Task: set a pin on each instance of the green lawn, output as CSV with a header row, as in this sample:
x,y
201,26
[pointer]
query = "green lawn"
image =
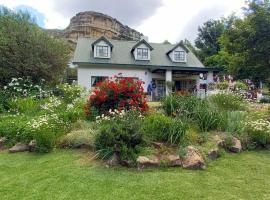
x,y
68,174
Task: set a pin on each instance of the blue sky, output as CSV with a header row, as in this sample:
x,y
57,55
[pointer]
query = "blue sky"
x,y
160,20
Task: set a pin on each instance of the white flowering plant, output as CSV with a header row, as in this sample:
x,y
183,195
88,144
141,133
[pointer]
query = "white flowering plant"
x,y
259,131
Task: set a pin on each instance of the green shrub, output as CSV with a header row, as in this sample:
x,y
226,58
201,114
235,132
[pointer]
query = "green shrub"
x,y
207,117
76,139
120,134
163,128
233,121
68,93
239,85
12,127
179,105
259,131
228,101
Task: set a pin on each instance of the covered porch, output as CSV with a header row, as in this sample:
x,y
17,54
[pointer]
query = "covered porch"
x,y
180,81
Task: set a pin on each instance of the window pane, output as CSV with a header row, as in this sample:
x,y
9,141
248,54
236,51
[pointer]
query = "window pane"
x,y
102,51
97,79
179,56
142,53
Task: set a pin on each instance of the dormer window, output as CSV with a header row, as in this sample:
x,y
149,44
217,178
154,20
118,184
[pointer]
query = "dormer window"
x,y
142,50
178,53
142,53
102,48
102,51
179,56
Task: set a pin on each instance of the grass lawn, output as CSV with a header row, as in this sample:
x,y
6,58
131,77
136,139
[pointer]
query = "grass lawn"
x,y
68,174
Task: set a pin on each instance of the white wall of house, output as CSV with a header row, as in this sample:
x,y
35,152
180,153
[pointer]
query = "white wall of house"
x,y
85,73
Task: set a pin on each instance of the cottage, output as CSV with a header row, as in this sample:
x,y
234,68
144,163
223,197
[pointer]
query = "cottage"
x,y
165,67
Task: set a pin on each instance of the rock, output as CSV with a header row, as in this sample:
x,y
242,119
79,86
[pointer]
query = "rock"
x,y
236,147
213,154
2,142
114,160
193,159
219,141
19,147
174,161
145,162
92,24
32,145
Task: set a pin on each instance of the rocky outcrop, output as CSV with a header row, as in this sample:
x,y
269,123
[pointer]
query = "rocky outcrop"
x,y
94,24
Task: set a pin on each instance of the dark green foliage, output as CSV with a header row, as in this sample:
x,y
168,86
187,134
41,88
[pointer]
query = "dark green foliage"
x,y
159,127
26,50
122,135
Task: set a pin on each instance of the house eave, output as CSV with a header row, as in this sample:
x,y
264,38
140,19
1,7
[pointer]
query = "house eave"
x,y
151,68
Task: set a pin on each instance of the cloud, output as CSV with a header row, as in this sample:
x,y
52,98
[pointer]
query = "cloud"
x,y
129,12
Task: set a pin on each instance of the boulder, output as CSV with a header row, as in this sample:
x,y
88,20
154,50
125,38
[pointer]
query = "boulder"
x,y
193,159
32,145
2,142
213,154
19,147
219,141
236,147
145,162
173,161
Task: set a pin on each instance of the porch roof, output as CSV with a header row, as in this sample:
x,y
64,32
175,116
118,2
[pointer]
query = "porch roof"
x,y
151,68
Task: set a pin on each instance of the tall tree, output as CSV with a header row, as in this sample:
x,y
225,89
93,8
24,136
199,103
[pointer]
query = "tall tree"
x,y
247,42
26,50
207,41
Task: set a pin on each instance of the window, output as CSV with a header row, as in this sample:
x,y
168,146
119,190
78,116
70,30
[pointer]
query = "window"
x,y
97,79
179,56
142,54
102,51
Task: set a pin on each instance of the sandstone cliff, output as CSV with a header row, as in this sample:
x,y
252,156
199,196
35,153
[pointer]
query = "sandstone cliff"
x,y
94,24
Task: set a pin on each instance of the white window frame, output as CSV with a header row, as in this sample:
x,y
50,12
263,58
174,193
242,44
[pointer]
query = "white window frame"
x,y
182,58
106,54
142,56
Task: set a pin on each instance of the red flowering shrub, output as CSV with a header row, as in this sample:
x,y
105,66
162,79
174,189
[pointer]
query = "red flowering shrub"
x,y
116,93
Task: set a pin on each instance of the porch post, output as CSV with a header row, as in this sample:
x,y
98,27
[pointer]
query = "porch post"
x,y
168,79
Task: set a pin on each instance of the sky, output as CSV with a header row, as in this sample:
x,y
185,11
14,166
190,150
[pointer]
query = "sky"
x,y
159,20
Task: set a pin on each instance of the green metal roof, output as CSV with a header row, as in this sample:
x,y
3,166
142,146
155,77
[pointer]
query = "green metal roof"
x,y
121,54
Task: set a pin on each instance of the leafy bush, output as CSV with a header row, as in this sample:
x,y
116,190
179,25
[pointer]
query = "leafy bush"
x,y
121,134
265,99
228,101
235,122
207,117
24,87
120,93
259,131
179,105
239,85
68,92
162,128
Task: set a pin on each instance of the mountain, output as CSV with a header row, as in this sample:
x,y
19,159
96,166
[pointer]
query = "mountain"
x,y
95,24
